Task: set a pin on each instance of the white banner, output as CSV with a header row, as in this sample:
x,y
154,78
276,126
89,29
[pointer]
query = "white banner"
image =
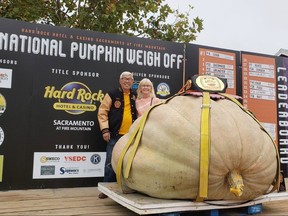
x,y
48,165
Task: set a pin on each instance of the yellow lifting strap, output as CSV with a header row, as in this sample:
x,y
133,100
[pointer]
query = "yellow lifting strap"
x,y
204,148
1,166
134,140
277,182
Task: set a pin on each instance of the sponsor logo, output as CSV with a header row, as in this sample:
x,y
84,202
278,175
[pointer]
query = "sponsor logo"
x,y
45,159
5,78
69,170
92,170
135,85
74,158
95,159
73,125
74,98
2,104
163,89
1,136
47,170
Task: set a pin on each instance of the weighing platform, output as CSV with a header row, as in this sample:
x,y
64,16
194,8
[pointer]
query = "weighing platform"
x,y
144,205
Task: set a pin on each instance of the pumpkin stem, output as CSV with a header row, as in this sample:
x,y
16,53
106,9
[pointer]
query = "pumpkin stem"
x,y
236,183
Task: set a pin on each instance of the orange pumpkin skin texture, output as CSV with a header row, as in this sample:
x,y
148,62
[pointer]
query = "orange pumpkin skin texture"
x,y
166,164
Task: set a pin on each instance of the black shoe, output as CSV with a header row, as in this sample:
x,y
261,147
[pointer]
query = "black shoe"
x,y
102,196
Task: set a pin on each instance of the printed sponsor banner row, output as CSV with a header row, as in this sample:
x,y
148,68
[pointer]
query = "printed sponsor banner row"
x,y
50,165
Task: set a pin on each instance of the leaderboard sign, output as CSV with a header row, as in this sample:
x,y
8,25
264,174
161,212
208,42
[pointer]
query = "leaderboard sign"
x,y
282,111
219,63
216,62
259,89
52,82
265,93
260,79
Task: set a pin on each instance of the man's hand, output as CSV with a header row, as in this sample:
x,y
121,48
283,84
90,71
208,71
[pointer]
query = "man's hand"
x,y
106,136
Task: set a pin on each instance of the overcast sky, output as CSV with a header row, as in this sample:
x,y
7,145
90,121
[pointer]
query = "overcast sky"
x,y
259,26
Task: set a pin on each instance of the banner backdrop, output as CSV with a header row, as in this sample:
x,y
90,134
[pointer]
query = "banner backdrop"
x,y
53,80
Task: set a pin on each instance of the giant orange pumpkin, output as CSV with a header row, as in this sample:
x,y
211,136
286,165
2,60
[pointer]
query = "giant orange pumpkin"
x,y
167,159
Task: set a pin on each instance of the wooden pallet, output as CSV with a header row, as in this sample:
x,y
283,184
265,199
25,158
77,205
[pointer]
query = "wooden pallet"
x,y
143,205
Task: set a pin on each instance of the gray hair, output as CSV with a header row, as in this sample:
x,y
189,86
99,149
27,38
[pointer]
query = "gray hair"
x,y
126,73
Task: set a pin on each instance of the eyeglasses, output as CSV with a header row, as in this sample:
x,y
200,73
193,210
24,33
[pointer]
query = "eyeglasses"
x,y
146,86
127,79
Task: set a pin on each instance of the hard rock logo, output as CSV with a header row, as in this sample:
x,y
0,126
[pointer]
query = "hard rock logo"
x,y
74,98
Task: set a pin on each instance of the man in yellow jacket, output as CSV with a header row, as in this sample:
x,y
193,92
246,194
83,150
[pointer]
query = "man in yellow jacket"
x,y
115,115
